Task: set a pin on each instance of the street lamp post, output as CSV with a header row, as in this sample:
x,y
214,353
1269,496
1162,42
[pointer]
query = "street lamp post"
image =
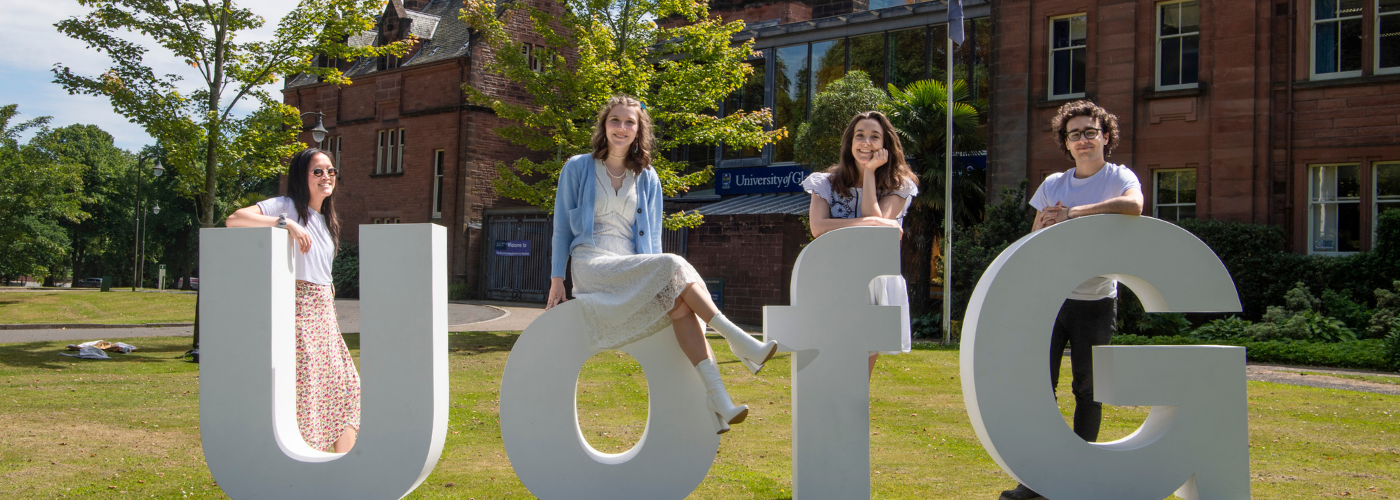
x,y
146,228
136,245
318,133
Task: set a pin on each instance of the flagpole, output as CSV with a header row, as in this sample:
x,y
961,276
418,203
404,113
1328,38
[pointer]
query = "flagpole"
x,y
948,200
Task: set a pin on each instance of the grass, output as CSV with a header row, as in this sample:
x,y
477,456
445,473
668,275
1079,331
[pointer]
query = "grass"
x,y
1379,379
114,307
128,428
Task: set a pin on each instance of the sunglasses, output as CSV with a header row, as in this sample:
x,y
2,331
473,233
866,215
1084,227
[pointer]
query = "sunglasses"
x,y
322,173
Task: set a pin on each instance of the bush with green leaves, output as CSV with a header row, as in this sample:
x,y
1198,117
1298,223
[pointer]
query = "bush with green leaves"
x,y
1298,319
1231,329
1366,354
1340,306
818,141
345,271
1385,320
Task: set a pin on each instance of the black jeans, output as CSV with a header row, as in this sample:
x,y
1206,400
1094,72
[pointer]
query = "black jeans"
x,y
1082,324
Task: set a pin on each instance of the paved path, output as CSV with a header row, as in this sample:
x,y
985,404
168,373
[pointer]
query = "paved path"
x,y
460,317
1297,375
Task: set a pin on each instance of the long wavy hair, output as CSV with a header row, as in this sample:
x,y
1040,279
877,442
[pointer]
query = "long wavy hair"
x,y
639,152
300,192
889,177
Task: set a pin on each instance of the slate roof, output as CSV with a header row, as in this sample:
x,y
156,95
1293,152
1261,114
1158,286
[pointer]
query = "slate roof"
x,y
442,34
752,204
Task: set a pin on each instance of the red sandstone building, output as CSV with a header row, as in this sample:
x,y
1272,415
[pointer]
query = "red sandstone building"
x,y
1281,112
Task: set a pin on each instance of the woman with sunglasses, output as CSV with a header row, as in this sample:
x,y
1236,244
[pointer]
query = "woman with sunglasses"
x,y
328,387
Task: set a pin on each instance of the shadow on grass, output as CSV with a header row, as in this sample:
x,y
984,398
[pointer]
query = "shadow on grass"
x,y
45,355
468,342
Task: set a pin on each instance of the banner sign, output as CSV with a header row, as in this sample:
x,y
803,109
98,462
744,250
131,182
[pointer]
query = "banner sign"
x,y
780,179
513,248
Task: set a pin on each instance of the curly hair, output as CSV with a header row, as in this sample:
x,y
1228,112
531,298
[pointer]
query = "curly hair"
x,y
638,156
889,177
1107,122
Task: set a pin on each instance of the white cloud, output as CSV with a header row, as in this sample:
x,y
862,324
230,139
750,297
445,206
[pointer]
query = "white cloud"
x,y
33,45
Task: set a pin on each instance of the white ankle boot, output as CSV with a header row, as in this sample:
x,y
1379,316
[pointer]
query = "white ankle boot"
x,y
718,401
752,353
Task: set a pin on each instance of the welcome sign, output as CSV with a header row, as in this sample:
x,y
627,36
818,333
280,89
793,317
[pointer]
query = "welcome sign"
x,y
1193,442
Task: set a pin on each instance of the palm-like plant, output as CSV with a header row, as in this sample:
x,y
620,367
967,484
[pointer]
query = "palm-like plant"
x,y
920,113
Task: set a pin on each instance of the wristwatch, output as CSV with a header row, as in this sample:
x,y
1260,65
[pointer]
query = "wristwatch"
x,y
282,221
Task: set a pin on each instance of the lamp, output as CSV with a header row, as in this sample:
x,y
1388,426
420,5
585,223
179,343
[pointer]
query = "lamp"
x,y
157,170
318,133
156,209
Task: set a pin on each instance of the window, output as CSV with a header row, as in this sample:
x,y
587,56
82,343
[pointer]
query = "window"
x,y
1387,184
1176,194
828,63
908,56
1068,50
1387,36
1336,38
439,157
868,55
749,97
389,159
334,147
1334,212
1178,44
534,55
792,80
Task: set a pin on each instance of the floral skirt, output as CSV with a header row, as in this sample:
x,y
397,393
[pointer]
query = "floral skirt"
x,y
328,386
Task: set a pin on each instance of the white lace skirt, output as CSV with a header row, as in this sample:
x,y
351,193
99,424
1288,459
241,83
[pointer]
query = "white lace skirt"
x,y
892,291
626,296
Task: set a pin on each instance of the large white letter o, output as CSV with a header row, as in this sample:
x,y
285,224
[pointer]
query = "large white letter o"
x,y
1195,439
539,418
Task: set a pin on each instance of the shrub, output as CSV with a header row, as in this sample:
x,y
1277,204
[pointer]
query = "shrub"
x,y
1231,329
1362,354
1299,320
1340,306
975,247
1386,318
345,271
459,291
818,142
1392,348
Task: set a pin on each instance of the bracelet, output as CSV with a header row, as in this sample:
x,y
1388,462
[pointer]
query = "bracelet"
x,y
282,221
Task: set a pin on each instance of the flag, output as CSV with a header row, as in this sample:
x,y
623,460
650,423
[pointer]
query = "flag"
x,y
955,21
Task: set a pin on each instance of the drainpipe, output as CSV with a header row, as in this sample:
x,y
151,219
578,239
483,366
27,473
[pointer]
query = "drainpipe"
x,y
1288,134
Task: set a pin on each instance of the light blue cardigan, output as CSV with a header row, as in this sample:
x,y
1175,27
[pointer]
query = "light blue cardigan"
x,y
573,211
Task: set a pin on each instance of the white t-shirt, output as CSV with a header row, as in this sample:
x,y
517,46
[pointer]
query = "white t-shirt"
x,y
1109,182
313,266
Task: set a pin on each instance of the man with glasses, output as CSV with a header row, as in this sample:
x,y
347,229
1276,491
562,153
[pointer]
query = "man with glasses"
x,y
1086,134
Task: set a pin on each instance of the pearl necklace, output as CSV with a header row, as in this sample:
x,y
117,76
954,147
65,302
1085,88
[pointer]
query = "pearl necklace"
x,y
619,176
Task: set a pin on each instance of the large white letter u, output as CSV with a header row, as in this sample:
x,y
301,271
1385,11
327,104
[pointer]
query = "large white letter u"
x,y
247,400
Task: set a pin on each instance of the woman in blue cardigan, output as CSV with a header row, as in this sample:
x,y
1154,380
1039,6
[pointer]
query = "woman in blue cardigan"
x,y
607,217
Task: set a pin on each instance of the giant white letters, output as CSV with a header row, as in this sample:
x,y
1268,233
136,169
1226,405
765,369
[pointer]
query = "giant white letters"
x,y
247,407
831,329
1195,439
539,418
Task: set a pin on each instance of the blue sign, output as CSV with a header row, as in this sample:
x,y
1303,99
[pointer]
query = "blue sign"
x,y
513,248
779,179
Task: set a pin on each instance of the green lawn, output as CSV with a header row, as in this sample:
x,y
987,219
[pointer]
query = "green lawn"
x,y
115,307
128,428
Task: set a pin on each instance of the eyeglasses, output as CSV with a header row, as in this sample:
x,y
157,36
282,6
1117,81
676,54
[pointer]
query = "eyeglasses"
x,y
322,173
1088,133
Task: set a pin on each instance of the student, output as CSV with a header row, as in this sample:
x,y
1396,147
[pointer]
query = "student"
x,y
1086,133
328,387
870,185
607,218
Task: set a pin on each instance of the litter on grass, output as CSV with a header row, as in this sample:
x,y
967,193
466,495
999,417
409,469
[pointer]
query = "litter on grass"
x,y
94,349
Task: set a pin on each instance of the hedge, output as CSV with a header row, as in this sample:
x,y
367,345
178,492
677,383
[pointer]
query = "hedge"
x,y
1369,354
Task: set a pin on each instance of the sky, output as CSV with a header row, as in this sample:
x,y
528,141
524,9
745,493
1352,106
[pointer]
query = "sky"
x,y
32,46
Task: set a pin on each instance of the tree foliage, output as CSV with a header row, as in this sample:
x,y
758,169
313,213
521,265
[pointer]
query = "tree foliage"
x,y
595,49
818,141
204,144
36,195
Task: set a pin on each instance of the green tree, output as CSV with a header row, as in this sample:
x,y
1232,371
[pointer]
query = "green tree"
x,y
920,112
36,195
818,142
595,49
204,143
108,182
